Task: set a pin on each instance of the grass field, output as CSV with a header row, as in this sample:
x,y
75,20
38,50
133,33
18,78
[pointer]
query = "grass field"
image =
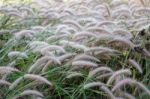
x,y
75,49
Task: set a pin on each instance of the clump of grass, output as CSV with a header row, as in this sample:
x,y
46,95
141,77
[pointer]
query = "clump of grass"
x,y
75,49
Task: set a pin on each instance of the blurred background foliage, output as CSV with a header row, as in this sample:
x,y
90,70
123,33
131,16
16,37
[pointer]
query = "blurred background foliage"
x,y
14,1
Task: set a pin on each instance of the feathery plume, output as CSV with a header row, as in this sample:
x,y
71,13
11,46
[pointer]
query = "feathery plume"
x,y
16,14
7,70
87,20
104,75
34,77
106,23
146,52
104,37
122,82
102,87
15,83
74,23
24,33
136,65
15,54
99,69
117,12
127,95
38,28
85,34
122,42
36,44
96,49
65,56
56,37
29,92
52,48
24,8
74,74
143,87
130,82
106,90
84,63
123,33
74,45
46,66
118,73
115,3
93,84
3,82
107,9
86,57
43,60
99,30
37,78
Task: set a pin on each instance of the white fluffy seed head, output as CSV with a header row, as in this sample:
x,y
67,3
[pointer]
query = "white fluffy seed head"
x,y
56,37
74,74
123,82
119,41
37,78
73,23
35,44
105,75
39,62
73,45
143,87
127,95
7,70
52,48
4,82
123,33
66,56
130,82
24,33
118,73
107,91
98,30
136,65
96,49
146,52
93,84
83,34
16,14
105,23
15,54
15,83
84,63
43,60
29,92
86,57
99,69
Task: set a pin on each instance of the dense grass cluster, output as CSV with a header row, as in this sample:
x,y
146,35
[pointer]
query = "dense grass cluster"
x,y
78,49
